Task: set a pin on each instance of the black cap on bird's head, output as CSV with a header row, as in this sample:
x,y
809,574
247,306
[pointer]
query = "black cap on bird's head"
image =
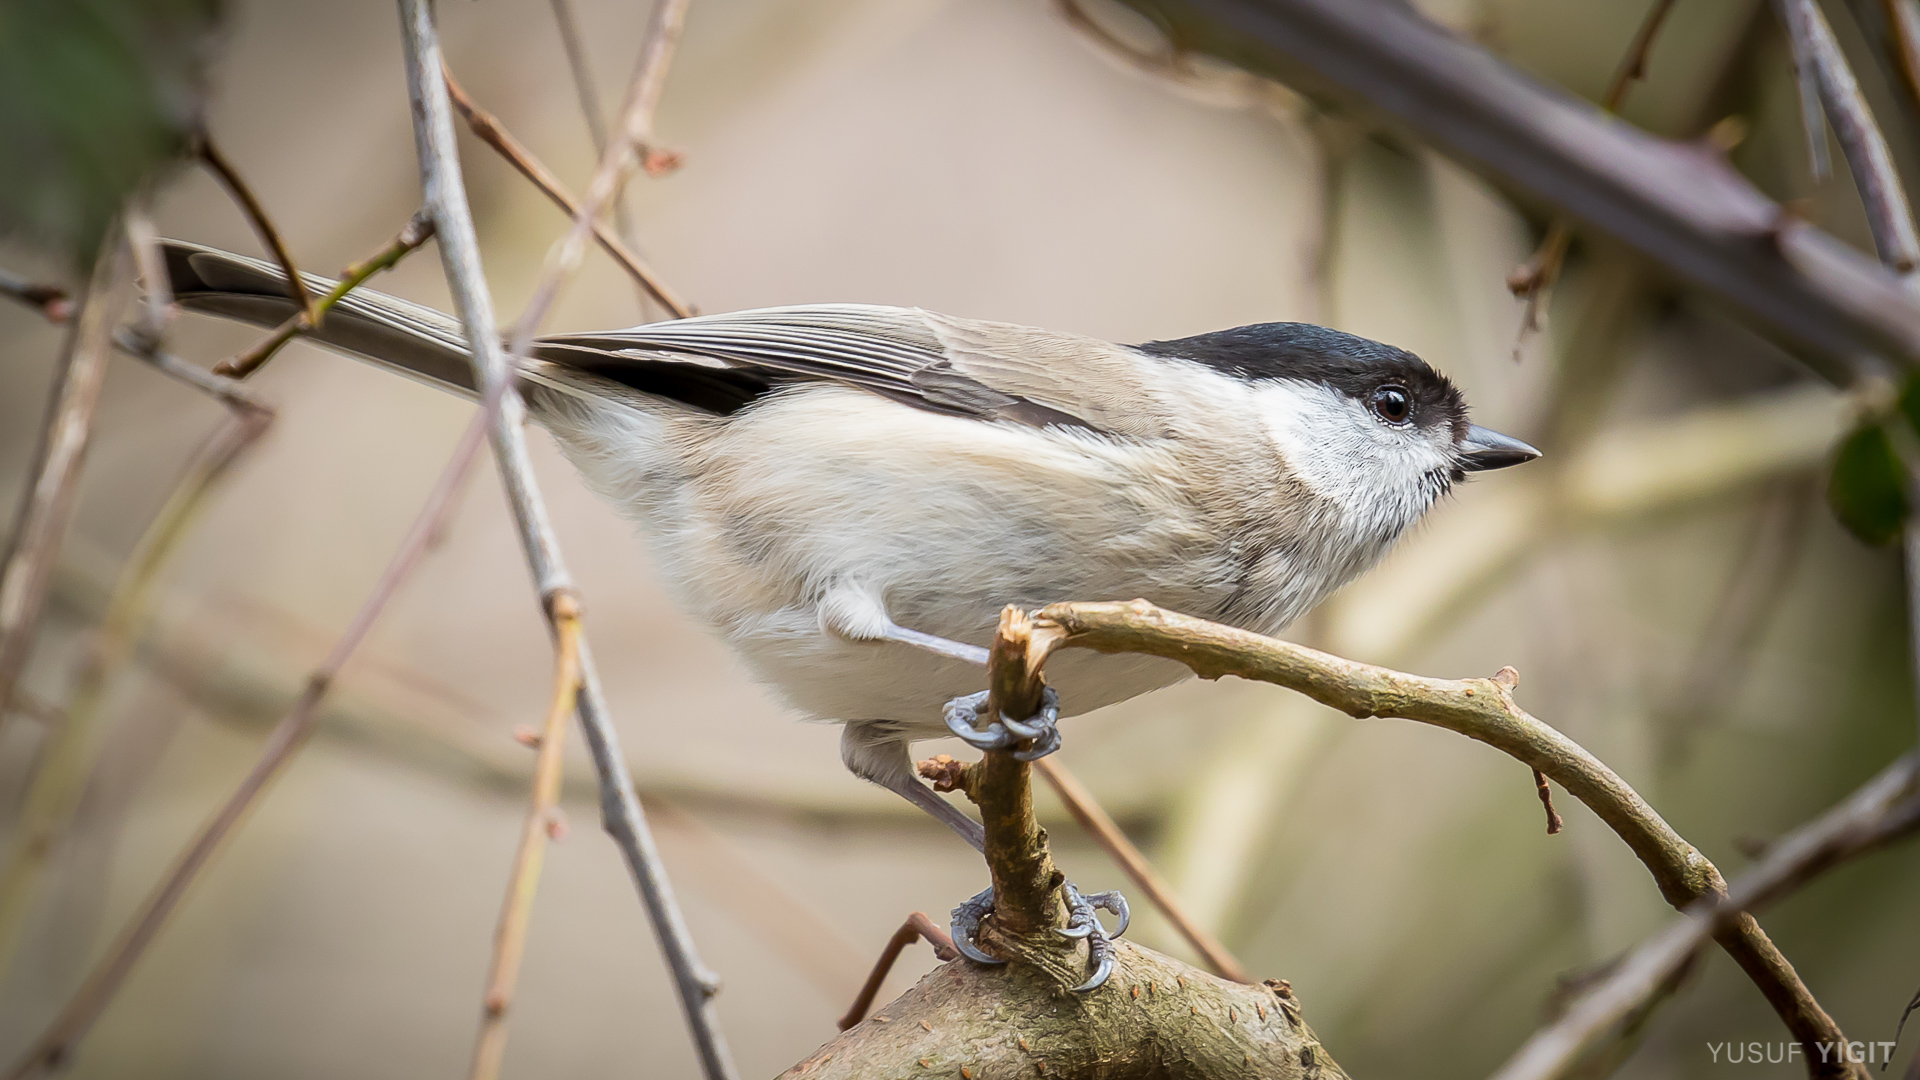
x,y
1396,386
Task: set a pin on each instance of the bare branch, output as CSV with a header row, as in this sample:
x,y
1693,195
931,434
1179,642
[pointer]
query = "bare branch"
x,y
51,301
490,131
1888,215
1481,709
417,231
257,217
918,927
54,792
1106,832
47,503
107,975
460,255
510,939
1677,203
1534,279
629,148
1884,809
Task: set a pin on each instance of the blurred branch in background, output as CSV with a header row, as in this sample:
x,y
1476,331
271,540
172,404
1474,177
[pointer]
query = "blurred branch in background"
x,y
1885,809
1481,709
489,130
106,976
441,176
47,505
55,788
1680,205
567,22
1534,279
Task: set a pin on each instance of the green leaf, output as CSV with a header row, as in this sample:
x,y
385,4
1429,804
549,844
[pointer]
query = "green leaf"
x,y
1867,489
94,96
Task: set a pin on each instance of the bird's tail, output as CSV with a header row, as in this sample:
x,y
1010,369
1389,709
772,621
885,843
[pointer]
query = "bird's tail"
x,y
415,341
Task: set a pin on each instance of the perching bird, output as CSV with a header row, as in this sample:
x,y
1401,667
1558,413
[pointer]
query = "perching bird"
x,y
849,495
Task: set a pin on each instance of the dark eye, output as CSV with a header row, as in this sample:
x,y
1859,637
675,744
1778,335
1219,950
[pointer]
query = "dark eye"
x,y
1392,404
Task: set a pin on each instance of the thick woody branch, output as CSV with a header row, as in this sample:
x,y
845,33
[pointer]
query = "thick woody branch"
x,y
1481,709
624,820
1154,1018
1679,204
1886,808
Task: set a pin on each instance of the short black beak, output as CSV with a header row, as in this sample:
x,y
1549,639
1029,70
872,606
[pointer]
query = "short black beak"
x,y
1484,449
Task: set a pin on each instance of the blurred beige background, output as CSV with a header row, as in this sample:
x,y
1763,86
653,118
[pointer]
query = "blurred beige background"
x,y
975,157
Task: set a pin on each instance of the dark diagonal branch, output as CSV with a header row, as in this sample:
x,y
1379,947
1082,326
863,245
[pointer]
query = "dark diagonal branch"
x,y
1481,709
1885,809
446,199
489,130
47,503
1677,203
257,217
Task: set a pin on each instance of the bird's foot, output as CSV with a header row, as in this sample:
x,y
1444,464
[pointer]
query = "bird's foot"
x,y
1039,731
1082,922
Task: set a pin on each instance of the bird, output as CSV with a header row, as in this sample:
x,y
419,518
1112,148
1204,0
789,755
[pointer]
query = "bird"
x,y
848,495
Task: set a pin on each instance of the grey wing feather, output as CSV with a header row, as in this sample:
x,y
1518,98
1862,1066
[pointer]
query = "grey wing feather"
x,y
719,363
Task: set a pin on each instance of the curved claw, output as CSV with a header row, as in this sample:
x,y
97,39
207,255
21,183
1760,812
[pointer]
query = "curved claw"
x,y
1041,724
1116,903
962,712
1024,731
1074,931
966,921
1041,747
1099,977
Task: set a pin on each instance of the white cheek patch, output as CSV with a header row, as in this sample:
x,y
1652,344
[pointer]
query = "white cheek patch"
x,y
1374,472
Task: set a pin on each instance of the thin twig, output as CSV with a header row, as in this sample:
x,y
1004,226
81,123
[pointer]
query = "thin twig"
x,y
47,503
417,231
51,301
54,793
257,217
1884,809
1088,812
621,813
1545,791
918,927
510,939
1534,279
568,23
1481,709
629,147
1889,217
287,737
490,131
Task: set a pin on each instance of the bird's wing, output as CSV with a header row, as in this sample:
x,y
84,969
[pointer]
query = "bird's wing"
x,y
987,371
720,363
